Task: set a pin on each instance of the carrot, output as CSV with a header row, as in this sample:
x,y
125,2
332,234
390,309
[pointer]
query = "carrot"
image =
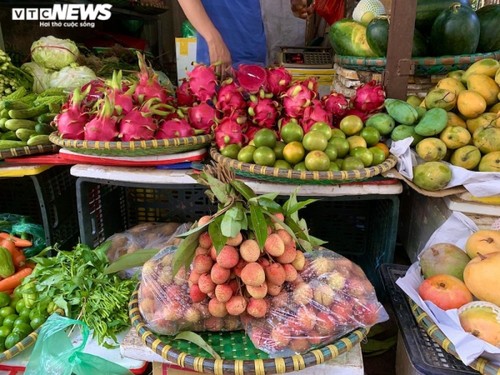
x,y
15,280
18,257
19,242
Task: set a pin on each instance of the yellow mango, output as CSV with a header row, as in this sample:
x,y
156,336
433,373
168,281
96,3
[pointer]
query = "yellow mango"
x,y
497,77
484,119
470,104
485,86
487,66
495,108
450,84
455,137
455,120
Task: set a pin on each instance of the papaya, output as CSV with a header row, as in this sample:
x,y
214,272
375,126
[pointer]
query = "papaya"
x,y
348,38
433,122
401,111
489,37
455,31
485,86
486,66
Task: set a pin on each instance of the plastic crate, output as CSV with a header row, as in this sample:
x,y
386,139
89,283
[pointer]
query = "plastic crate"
x,y
361,228
48,199
425,355
107,209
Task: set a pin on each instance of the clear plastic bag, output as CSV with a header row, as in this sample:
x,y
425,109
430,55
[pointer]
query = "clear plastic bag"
x,y
166,305
330,298
54,354
150,235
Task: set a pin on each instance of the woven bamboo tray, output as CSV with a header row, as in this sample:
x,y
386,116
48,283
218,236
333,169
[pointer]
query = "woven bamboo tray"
x,y
289,176
28,150
20,346
240,356
481,365
136,148
424,66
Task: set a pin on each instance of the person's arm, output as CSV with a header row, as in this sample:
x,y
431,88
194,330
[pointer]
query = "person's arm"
x,y
301,9
217,49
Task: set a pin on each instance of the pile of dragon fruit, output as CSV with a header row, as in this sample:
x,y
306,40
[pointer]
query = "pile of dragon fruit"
x,y
234,109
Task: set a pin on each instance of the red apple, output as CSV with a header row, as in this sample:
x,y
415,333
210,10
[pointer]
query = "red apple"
x,y
445,291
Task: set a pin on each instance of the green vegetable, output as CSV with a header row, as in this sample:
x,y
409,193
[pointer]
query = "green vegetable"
x,y
29,112
6,264
7,143
76,282
38,139
54,53
11,77
14,124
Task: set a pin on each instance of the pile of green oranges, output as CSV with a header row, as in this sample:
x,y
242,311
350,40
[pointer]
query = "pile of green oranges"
x,y
322,148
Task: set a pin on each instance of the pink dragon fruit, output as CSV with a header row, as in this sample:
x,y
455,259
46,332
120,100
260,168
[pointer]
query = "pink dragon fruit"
x,y
120,95
335,103
297,98
139,123
202,117
315,113
185,97
228,132
251,78
174,128
263,111
70,122
369,97
229,97
278,80
249,133
103,127
202,82
148,86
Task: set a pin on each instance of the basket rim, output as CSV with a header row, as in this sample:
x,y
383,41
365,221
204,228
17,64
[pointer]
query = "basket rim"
x,y
284,174
481,364
421,61
28,150
20,346
258,366
154,146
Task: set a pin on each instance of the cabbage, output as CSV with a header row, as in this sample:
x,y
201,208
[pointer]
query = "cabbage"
x,y
70,78
54,53
41,76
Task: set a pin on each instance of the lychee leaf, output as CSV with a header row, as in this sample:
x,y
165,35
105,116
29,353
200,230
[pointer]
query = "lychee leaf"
x,y
219,188
197,340
230,226
215,232
184,254
259,224
243,189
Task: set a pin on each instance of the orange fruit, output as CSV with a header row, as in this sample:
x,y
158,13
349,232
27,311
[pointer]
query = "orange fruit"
x,y
315,140
356,141
324,128
317,160
371,135
384,148
264,155
351,125
294,152
264,137
292,131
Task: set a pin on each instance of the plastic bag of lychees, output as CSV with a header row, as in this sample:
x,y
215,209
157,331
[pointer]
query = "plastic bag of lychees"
x,y
166,304
330,298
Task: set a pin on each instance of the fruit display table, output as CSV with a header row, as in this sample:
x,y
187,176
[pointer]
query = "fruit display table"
x,y
358,220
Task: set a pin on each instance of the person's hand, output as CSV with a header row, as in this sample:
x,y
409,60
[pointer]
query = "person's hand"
x,y
220,56
300,8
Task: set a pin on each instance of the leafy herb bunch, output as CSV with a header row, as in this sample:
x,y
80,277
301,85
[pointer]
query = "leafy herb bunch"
x,y
240,209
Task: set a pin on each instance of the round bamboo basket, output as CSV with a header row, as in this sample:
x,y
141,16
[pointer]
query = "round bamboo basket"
x,y
482,365
28,150
135,148
20,346
289,176
239,356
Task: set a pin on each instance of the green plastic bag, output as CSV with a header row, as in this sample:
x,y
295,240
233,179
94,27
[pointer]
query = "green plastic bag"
x,y
54,353
187,30
18,225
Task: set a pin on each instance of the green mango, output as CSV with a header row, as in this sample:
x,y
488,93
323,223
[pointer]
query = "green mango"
x,y
433,122
404,131
432,175
401,111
